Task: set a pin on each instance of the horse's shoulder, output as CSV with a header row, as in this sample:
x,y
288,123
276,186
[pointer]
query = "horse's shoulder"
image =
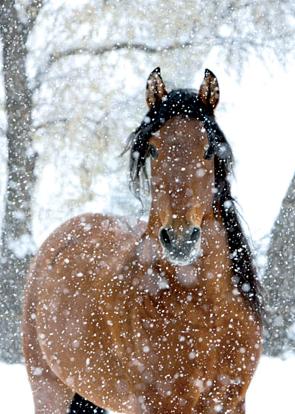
x,y
88,230
92,225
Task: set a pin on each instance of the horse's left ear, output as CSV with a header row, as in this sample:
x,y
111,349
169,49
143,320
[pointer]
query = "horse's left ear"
x,y
155,88
209,90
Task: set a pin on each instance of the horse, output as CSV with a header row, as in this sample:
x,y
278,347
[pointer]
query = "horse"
x,y
165,318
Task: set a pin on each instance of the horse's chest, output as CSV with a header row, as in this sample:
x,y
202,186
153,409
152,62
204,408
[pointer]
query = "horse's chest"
x,y
171,340
185,340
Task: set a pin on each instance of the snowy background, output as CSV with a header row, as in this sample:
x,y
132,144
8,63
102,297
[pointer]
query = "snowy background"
x,y
259,131
79,168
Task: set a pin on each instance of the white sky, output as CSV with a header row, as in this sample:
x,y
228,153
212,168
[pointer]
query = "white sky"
x,y
257,115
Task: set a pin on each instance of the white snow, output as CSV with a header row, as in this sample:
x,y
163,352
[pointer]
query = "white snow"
x,y
271,391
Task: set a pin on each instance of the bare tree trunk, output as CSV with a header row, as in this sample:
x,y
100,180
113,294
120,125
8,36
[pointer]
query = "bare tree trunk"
x,y
16,236
279,281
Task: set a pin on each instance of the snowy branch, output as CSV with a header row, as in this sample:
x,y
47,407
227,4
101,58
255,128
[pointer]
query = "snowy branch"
x,y
54,122
32,12
49,123
115,47
99,51
10,18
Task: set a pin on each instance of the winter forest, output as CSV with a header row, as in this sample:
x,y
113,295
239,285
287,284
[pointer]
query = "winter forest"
x,y
73,76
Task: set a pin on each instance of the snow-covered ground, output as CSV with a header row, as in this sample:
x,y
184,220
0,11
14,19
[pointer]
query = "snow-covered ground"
x,y
271,391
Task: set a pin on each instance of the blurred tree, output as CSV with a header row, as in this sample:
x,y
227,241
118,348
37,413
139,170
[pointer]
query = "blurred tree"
x,y
16,234
73,90
96,56
279,281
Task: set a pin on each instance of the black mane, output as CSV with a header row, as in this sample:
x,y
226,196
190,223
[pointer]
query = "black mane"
x,y
186,103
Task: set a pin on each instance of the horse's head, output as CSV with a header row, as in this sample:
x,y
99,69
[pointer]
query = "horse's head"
x,y
182,183
183,140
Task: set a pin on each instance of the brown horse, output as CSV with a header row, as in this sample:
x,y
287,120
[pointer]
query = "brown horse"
x,y
164,319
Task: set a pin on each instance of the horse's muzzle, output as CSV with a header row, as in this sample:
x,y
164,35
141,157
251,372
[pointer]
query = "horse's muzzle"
x,y
181,248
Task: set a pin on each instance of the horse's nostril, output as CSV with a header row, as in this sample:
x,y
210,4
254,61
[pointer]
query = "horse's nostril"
x,y
164,237
195,234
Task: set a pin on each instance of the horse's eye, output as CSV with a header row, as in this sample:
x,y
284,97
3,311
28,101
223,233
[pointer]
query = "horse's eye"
x,y
153,152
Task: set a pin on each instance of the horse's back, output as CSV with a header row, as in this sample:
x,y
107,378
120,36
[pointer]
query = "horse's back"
x,y
105,232
100,238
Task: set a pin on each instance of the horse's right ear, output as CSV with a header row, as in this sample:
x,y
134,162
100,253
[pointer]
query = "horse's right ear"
x,y
155,88
209,90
